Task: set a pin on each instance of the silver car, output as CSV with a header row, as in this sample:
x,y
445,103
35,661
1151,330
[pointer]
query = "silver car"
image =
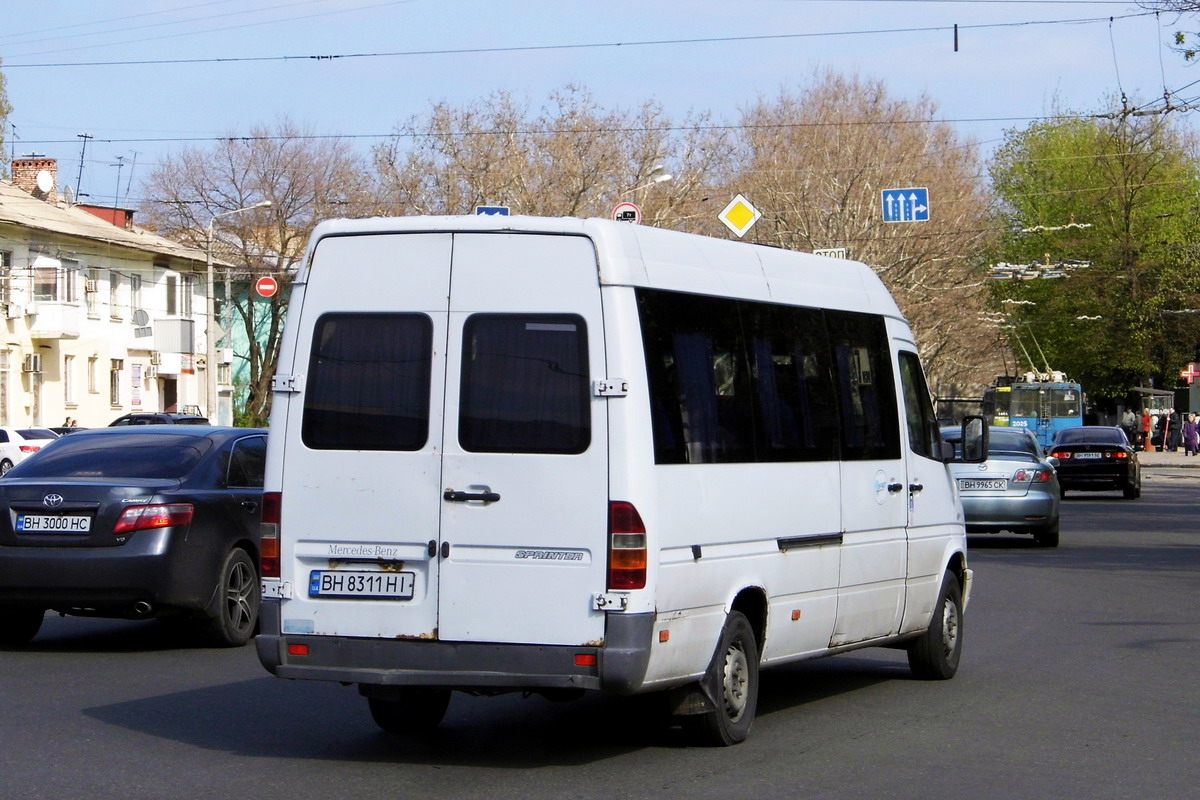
x,y
1015,490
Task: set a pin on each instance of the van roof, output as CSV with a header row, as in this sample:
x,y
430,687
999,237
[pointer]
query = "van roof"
x,y
639,255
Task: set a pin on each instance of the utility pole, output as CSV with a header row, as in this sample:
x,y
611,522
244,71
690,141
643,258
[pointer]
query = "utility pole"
x,y
79,179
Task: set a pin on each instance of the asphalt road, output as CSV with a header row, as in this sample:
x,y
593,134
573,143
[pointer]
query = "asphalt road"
x,y
1079,680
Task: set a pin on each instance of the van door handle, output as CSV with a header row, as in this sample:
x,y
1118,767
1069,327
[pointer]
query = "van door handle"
x,y
465,497
895,487
916,487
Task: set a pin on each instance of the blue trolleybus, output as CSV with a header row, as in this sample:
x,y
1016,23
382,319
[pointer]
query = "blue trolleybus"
x,y
1045,403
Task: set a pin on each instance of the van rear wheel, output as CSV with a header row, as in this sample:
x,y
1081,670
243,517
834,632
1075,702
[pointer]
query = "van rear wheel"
x,y
935,655
731,683
411,709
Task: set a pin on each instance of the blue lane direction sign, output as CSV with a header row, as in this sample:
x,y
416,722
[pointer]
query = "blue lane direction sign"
x,y
496,211
905,205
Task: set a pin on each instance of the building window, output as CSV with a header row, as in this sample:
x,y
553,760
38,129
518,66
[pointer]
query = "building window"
x,y
69,380
114,380
172,295
93,386
114,294
45,284
135,292
90,294
68,281
5,276
187,296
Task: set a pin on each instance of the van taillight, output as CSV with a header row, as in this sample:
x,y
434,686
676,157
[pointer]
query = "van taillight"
x,y
626,547
269,547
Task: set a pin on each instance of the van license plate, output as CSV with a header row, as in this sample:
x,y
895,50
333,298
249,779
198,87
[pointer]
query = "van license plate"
x,y
968,484
364,585
54,523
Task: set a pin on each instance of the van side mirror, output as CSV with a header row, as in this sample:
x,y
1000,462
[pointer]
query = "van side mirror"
x,y
974,440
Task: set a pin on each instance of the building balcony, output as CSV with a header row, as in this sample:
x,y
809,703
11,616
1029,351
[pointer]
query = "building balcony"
x,y
50,319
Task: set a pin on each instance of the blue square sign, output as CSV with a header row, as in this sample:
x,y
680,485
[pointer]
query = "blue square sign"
x,y
905,205
495,211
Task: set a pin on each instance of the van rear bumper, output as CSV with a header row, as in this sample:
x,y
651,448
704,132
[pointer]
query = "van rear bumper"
x,y
620,663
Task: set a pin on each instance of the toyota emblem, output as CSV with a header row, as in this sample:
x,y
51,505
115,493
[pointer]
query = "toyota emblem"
x,y
52,500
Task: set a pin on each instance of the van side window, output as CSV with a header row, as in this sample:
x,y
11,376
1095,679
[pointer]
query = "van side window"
x,y
923,436
526,385
736,381
865,386
368,382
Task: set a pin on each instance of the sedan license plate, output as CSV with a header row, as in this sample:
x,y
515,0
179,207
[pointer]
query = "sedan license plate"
x,y
54,523
971,484
1089,455
364,585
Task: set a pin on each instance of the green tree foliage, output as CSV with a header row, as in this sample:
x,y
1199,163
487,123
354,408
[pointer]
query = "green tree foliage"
x,y
1119,194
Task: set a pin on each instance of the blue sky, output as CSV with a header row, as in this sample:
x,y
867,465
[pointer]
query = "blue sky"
x,y
198,69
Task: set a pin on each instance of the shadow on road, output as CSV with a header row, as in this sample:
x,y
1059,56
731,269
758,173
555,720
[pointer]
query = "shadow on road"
x,y
273,718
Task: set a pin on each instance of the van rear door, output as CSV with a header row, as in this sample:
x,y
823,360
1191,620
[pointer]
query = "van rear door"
x,y
451,455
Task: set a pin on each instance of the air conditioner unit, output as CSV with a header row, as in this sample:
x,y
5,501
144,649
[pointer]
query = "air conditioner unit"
x,y
151,373
90,286
33,362
155,357
14,311
226,354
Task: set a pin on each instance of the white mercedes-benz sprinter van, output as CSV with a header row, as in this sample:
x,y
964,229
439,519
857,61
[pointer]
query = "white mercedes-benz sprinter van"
x,y
556,455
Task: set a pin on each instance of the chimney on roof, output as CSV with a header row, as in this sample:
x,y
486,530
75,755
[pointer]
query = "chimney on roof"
x,y
37,175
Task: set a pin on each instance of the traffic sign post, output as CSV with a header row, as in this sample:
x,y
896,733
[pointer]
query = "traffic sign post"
x,y
266,286
905,205
494,211
627,212
739,216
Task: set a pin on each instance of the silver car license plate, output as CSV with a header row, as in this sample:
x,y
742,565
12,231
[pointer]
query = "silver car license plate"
x,y
975,484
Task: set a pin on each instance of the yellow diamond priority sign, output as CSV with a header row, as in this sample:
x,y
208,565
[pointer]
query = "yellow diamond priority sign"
x,y
739,216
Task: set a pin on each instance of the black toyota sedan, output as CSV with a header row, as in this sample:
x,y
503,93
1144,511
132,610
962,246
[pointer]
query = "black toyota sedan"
x,y
1097,458
135,522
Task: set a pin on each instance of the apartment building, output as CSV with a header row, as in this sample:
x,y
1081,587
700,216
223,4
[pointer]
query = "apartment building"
x,y
99,317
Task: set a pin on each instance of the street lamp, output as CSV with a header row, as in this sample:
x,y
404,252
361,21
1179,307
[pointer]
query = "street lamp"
x,y
211,328
656,175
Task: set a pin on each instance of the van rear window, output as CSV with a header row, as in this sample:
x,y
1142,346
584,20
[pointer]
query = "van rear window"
x,y
525,384
368,382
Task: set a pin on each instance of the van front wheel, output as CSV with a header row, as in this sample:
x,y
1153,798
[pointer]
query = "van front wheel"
x,y
412,710
935,655
732,684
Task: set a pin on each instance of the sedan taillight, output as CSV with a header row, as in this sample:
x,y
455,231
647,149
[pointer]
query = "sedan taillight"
x,y
140,518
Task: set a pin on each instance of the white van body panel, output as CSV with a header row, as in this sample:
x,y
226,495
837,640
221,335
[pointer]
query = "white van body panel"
x,y
840,553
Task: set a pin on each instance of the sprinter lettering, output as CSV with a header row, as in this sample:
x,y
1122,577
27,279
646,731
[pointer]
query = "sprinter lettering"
x,y
550,555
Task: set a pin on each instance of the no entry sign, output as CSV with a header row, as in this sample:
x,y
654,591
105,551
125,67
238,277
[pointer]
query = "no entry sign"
x,y
266,286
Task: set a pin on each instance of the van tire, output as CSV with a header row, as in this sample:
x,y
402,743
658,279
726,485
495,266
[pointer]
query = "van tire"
x,y
935,655
418,708
19,624
731,682
233,614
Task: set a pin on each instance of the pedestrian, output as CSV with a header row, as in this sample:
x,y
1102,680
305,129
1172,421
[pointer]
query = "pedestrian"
x,y
1146,444
1191,436
1174,435
1129,424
